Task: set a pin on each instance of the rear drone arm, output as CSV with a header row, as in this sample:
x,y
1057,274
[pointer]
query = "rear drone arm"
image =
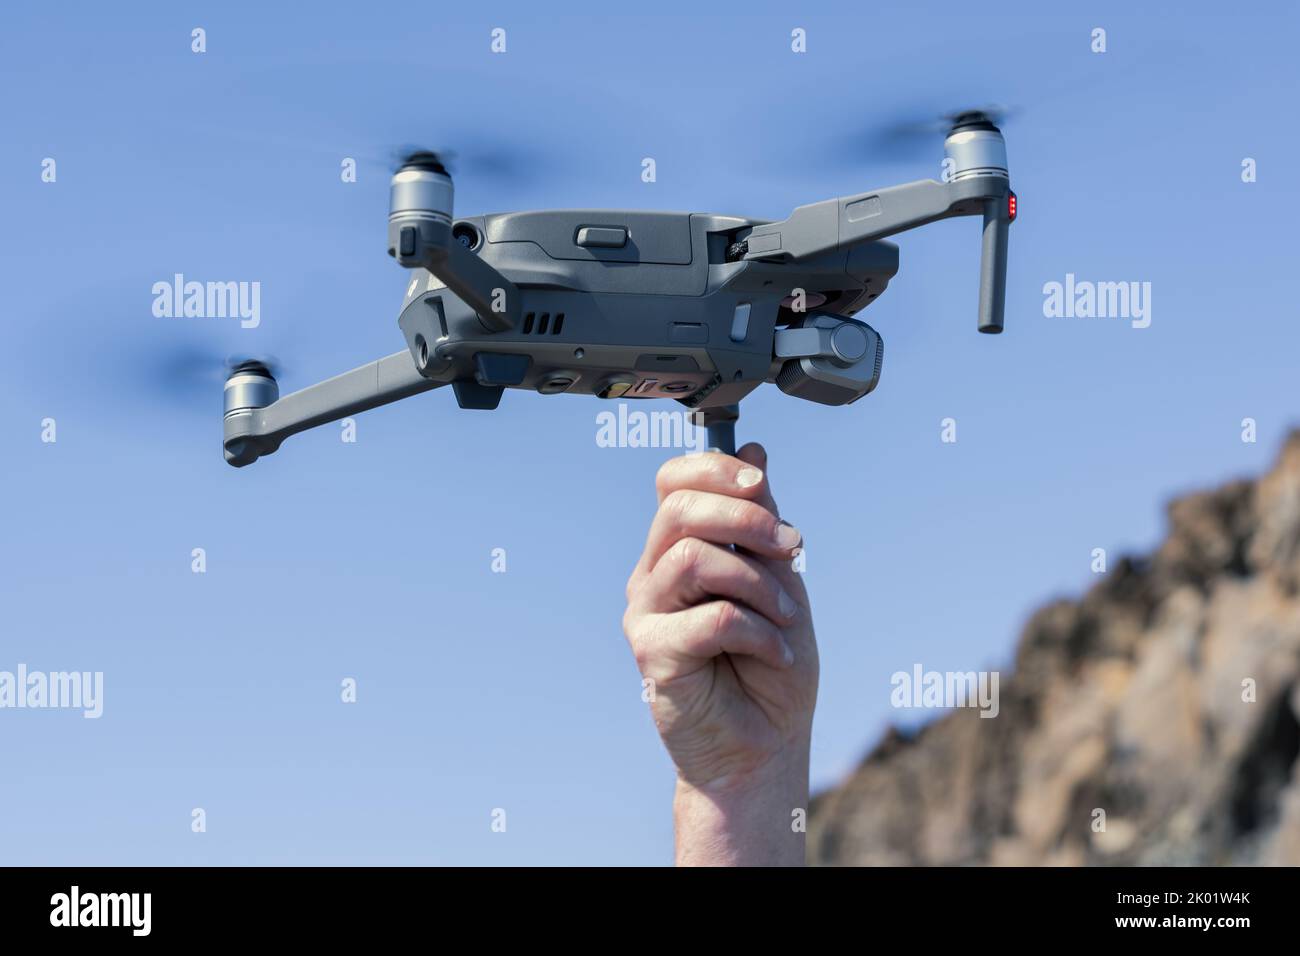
x,y
257,420
838,223
977,159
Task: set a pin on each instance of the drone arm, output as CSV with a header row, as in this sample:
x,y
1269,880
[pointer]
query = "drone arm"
x,y
420,233
485,290
253,432
839,223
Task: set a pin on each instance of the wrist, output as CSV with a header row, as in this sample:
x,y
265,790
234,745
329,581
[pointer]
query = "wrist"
x,y
752,819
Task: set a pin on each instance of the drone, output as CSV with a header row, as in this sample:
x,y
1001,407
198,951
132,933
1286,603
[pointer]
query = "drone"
x,y
694,307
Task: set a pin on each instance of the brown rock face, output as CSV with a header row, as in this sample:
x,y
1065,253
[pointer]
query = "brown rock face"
x,y
1154,721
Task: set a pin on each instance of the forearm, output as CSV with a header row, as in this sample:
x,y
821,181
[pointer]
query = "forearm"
x,y
758,822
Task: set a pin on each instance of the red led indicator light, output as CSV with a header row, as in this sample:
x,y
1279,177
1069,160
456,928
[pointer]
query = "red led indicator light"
x,y
1011,206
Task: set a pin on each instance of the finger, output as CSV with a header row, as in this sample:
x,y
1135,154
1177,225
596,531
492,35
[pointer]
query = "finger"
x,y
694,571
675,643
718,473
721,474
756,455
721,519
753,453
792,580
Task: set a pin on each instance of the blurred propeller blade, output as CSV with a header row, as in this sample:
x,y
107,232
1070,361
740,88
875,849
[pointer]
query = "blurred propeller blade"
x,y
913,136
184,367
475,158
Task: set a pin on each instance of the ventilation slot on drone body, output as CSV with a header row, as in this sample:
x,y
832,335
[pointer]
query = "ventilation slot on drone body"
x,y
542,324
692,401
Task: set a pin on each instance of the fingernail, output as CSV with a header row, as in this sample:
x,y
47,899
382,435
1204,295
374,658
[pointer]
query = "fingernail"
x,y
787,655
748,477
787,535
786,604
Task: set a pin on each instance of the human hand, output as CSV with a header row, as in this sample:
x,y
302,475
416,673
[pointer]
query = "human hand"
x,y
726,637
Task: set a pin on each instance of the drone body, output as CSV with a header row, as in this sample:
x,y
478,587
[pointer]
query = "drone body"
x,y
633,305
694,307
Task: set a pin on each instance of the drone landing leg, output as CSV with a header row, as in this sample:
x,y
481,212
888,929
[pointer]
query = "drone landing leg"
x,y
720,423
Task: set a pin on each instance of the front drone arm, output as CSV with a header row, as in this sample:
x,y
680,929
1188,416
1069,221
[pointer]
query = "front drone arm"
x,y
257,420
420,235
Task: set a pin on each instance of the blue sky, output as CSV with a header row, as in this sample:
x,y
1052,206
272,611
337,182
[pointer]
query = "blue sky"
x,y
372,560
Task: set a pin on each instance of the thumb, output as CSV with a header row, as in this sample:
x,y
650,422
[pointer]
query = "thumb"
x,y
756,455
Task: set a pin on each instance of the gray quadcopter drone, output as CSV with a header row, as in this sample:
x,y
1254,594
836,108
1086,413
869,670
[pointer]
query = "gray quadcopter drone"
x,y
688,306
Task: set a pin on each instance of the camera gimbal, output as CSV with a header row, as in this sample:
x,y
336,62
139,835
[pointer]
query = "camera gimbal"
x,y
695,307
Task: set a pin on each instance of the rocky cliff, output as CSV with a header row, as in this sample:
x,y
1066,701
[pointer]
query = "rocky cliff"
x,y
1154,721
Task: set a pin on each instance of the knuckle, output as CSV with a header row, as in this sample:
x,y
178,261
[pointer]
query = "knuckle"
x,y
664,476
634,582
687,557
677,507
637,639
726,615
